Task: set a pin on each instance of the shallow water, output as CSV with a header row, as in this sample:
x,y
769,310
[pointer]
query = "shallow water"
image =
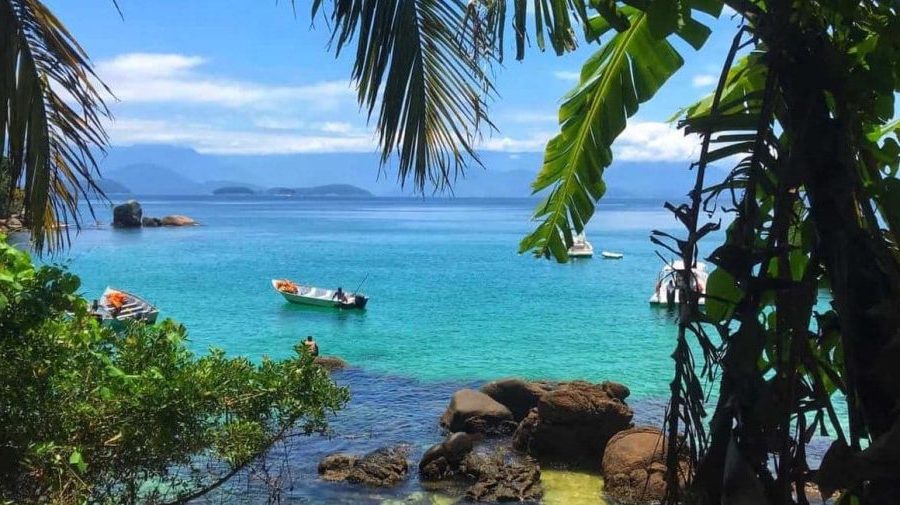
x,y
452,305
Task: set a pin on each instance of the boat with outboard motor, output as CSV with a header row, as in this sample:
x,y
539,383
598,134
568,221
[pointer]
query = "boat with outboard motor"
x,y
320,297
116,308
669,285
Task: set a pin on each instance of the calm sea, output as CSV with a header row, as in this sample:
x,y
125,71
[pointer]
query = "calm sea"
x,y
452,303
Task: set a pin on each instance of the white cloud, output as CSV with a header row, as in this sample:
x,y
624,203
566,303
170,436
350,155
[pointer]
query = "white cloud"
x,y
655,141
567,75
703,80
175,78
336,127
212,140
278,123
533,143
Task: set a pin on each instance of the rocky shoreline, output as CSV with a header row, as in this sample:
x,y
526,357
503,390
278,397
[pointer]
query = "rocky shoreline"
x,y
131,215
499,436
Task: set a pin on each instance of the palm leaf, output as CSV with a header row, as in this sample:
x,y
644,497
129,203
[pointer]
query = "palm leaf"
x,y
49,145
627,71
412,65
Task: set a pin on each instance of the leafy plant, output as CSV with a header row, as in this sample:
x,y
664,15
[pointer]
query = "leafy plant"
x,y
86,414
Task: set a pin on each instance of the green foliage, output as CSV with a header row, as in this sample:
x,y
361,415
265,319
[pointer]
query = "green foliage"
x,y
91,415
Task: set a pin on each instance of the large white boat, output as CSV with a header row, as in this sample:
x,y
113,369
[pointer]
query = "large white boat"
x,y
321,297
581,248
116,308
668,284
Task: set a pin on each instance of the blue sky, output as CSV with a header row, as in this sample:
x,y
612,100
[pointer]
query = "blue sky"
x,y
248,77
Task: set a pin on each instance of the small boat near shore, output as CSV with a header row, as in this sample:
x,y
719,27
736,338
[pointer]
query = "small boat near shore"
x,y
581,248
319,297
669,286
607,255
117,307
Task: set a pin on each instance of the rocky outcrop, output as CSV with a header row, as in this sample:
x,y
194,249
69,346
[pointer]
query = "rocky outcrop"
x,y
151,222
330,363
518,395
442,461
336,467
634,466
127,215
178,220
475,412
573,422
381,468
500,479
12,224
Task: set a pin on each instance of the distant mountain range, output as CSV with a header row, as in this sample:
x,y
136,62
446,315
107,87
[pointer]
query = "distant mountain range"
x,y
168,170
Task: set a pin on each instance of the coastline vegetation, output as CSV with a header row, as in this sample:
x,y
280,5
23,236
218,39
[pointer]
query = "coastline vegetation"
x,y
89,415
805,102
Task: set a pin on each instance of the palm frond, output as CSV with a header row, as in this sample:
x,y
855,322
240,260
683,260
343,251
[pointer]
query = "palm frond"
x,y
627,71
412,65
49,143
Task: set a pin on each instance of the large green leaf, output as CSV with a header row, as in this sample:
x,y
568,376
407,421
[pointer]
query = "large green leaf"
x,y
627,71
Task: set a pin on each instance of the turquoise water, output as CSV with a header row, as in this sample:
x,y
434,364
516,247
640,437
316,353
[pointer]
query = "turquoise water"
x,y
450,296
452,305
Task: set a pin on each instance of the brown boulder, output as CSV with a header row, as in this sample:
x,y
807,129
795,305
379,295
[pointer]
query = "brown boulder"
x,y
381,468
330,363
475,412
177,220
572,423
442,460
127,215
634,466
518,395
336,467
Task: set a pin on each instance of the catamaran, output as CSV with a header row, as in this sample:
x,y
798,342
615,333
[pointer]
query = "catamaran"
x,y
669,286
581,248
116,308
321,297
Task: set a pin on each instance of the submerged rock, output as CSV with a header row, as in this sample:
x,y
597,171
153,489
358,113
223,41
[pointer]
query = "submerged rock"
x,y
178,220
330,363
518,395
380,468
573,423
127,215
475,412
500,479
634,466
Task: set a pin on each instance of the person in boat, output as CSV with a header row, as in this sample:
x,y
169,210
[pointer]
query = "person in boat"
x,y
340,295
312,346
670,292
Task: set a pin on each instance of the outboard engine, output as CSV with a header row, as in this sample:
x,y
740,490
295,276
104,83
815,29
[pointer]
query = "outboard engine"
x,y
670,295
360,301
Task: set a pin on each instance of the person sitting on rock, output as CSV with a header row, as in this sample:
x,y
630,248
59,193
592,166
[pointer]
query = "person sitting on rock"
x,y
340,295
312,346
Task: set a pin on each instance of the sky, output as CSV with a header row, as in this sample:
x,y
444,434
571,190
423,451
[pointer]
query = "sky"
x,y
253,77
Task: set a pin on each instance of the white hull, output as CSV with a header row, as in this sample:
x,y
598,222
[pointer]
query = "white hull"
x,y
666,291
581,248
611,255
320,297
135,308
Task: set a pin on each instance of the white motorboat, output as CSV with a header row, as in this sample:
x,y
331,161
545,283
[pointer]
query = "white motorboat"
x,y
669,286
320,297
581,248
612,255
116,308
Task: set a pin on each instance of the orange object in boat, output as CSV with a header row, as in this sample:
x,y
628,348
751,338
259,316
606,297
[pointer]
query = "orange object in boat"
x,y
116,299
